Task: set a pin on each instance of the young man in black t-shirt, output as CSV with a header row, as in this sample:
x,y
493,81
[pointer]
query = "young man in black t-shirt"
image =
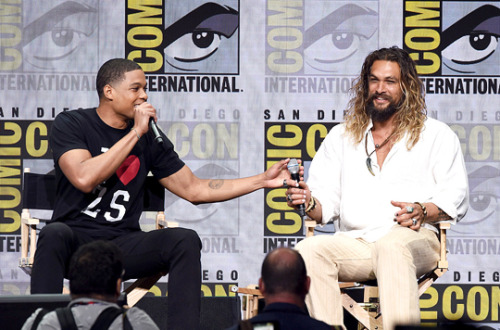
x,y
102,157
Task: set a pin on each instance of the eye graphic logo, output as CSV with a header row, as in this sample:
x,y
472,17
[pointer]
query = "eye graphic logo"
x,y
60,39
338,41
470,43
318,37
202,41
183,37
484,203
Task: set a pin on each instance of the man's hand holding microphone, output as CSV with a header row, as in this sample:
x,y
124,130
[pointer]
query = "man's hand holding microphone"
x,y
145,111
297,194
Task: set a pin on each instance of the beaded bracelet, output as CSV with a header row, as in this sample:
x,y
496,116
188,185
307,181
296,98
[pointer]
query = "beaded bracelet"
x,y
311,205
424,210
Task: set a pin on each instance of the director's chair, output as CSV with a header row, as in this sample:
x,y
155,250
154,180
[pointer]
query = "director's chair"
x,y
39,191
367,313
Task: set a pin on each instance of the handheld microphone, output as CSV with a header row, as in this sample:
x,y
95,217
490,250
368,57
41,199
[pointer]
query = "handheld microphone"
x,y
293,168
155,130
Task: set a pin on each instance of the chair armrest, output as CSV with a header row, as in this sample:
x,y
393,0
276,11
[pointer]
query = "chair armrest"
x,y
160,220
309,226
443,261
161,223
27,219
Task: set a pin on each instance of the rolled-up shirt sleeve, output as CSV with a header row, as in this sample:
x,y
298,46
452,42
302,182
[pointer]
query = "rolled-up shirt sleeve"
x,y
451,192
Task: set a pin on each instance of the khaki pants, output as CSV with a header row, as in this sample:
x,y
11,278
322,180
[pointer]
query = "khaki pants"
x,y
395,260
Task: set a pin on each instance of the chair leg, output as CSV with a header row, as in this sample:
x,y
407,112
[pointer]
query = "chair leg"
x,y
24,234
28,241
140,287
368,312
251,295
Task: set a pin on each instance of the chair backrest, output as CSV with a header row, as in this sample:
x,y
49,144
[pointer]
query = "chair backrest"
x,y
39,191
154,195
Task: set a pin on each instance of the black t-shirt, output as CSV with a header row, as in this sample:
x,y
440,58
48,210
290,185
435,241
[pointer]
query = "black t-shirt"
x,y
115,206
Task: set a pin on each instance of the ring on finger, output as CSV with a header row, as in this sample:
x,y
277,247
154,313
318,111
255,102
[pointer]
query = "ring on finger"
x,y
289,198
414,221
409,209
284,183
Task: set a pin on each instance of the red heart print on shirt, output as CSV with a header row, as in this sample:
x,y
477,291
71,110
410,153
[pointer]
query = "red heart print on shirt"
x,y
128,169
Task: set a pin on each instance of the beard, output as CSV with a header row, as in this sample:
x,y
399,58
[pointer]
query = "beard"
x,y
382,115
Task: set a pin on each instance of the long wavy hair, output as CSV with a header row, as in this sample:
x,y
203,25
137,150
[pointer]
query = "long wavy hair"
x,y
411,112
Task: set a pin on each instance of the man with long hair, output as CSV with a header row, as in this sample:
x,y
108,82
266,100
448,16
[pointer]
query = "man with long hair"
x,y
385,176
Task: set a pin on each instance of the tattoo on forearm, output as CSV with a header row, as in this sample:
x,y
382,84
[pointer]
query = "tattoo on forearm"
x,y
216,183
442,215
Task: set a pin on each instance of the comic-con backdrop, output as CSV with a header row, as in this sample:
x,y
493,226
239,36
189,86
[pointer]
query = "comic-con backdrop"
x,y
239,85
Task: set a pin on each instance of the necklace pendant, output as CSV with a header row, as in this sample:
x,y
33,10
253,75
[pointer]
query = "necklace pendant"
x,y
369,165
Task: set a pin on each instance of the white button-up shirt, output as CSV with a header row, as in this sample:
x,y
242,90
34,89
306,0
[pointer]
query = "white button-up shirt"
x,y
433,171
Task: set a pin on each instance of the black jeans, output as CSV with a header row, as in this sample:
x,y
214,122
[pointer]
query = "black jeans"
x,y
174,250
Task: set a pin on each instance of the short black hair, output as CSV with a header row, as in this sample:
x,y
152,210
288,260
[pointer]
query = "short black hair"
x,y
113,71
95,268
281,274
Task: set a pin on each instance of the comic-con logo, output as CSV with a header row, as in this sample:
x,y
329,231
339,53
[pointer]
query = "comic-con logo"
x,y
453,38
318,37
49,36
183,37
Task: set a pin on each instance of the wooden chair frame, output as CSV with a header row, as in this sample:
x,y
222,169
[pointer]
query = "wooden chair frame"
x,y
39,193
250,300
367,312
